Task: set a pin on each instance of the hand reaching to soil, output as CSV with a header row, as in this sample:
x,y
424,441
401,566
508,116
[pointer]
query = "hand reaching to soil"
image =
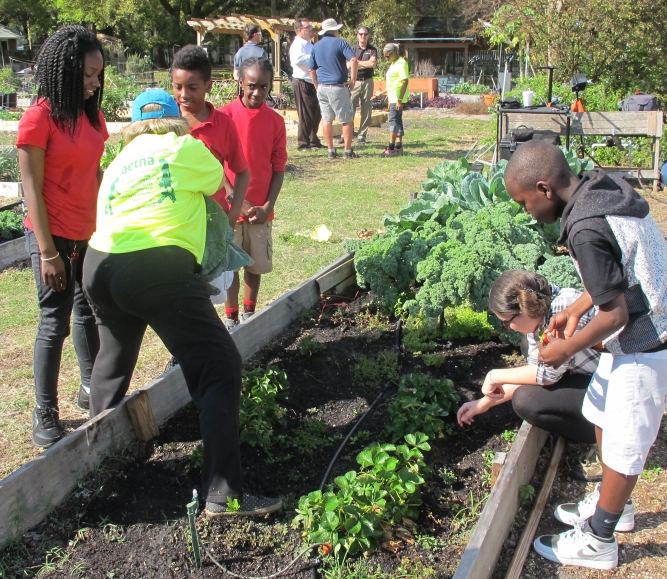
x,y
469,410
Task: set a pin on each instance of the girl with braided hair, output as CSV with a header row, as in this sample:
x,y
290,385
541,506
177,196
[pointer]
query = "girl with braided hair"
x,y
524,301
60,143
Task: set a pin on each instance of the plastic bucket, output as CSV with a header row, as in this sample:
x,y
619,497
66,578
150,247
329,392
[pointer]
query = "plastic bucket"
x,y
528,98
488,99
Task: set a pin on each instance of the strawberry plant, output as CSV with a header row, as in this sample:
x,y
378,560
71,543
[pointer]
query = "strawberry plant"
x,y
261,393
385,489
420,405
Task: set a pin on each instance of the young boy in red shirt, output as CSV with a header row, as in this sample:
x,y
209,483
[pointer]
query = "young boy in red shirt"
x,y
264,142
191,81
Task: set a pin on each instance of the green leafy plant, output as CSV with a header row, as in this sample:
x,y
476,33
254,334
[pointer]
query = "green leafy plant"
x,y
308,346
467,88
9,166
260,408
651,470
119,90
508,436
385,489
447,476
11,225
110,153
526,494
233,505
420,405
464,322
197,456
374,370
435,360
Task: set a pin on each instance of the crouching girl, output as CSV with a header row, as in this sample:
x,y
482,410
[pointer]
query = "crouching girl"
x,y
547,397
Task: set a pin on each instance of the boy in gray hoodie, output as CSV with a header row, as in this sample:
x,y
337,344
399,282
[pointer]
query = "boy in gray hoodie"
x,y
621,256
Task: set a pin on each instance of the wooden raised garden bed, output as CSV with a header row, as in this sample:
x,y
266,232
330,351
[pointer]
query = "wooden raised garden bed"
x,y
142,501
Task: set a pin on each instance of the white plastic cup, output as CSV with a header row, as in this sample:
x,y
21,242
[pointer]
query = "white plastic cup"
x,y
528,98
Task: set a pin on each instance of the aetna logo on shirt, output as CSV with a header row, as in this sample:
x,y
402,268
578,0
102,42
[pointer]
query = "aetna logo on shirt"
x,y
138,163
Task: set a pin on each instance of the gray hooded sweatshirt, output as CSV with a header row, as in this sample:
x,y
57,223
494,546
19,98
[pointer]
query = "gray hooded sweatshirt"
x,y
608,207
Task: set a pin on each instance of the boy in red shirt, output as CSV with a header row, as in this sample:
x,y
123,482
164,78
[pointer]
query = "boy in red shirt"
x,y
191,81
264,142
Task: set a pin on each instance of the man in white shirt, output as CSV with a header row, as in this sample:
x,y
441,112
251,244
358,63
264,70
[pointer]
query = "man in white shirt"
x,y
307,105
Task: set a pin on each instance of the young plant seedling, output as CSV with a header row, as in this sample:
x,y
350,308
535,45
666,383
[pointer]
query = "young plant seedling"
x,y
526,494
233,505
309,346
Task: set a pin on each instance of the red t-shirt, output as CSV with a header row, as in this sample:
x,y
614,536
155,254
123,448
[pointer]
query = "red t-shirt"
x,y
264,142
70,169
219,134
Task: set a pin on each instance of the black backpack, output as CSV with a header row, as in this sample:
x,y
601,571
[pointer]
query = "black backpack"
x,y
640,102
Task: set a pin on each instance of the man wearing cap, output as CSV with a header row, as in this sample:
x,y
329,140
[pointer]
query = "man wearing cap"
x,y
253,36
307,106
367,56
328,71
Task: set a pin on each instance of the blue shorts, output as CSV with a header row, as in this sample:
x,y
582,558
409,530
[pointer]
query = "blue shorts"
x,y
396,120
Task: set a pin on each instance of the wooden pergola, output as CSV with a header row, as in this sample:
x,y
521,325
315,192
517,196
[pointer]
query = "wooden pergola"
x,y
236,23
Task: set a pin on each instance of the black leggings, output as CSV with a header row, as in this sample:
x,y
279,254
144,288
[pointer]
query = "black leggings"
x,y
158,288
557,408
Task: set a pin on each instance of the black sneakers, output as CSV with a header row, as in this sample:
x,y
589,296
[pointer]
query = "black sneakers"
x,y
83,399
249,505
46,429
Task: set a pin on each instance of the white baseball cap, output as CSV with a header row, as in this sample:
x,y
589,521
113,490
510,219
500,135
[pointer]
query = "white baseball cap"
x,y
328,25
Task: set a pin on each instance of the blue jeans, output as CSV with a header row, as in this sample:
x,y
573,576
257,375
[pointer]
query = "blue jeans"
x,y
395,120
55,311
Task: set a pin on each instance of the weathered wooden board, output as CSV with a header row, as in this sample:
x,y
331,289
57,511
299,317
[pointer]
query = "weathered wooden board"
x,y
13,251
629,124
481,555
521,551
334,277
141,416
29,494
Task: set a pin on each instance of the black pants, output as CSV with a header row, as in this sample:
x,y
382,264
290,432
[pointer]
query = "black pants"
x,y
557,408
158,288
308,109
55,311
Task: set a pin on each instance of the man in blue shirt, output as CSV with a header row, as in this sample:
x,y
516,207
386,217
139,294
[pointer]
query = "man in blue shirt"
x,y
253,36
328,71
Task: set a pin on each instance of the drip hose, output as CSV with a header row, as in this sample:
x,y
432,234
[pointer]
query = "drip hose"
x,y
349,434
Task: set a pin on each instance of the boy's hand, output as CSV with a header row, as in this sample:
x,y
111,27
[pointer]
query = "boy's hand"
x,y
246,208
258,215
492,390
555,353
469,410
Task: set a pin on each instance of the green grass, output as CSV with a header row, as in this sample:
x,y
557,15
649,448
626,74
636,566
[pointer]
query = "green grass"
x,y
346,196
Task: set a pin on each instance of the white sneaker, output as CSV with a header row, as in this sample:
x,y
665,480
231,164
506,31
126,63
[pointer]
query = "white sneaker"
x,y
579,547
575,513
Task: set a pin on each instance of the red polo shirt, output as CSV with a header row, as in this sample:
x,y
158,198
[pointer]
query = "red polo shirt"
x,y
70,169
264,141
219,134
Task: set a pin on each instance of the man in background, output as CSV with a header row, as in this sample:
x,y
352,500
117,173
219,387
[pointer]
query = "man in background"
x,y
328,71
367,56
253,36
305,93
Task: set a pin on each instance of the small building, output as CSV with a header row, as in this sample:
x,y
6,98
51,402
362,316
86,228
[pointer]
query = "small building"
x,y
9,41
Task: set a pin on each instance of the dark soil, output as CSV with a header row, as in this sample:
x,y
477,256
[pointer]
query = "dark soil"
x,y
128,519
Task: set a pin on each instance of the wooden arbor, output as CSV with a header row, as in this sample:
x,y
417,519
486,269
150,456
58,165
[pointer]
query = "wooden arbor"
x,y
236,23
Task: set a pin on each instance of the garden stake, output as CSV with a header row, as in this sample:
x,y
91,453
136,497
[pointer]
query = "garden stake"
x,y
193,507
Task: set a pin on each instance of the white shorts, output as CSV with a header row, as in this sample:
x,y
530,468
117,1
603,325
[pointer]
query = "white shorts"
x,y
626,399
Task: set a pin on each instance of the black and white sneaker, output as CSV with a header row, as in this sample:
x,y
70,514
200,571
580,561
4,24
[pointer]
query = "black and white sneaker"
x,y
46,428
579,547
83,398
249,505
576,513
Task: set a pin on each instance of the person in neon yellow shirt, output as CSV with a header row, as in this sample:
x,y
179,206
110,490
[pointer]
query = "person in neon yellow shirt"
x,y
143,269
397,95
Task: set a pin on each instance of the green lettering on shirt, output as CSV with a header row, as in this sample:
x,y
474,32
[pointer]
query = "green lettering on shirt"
x,y
167,190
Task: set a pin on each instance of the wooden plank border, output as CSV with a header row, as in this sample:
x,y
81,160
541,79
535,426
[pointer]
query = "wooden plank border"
x,y
31,492
13,251
481,555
